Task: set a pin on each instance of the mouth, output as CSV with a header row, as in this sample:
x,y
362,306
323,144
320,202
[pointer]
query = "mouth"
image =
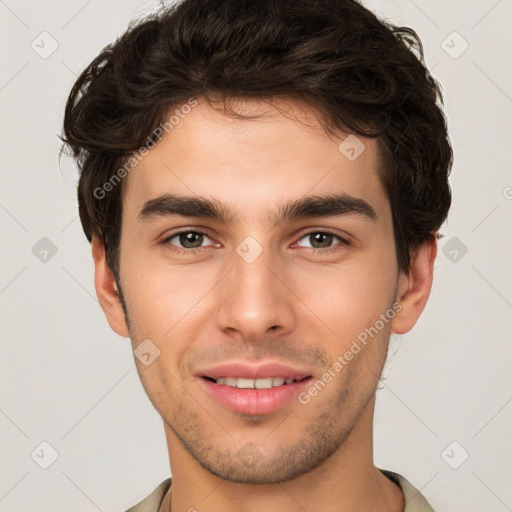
x,y
253,390
265,383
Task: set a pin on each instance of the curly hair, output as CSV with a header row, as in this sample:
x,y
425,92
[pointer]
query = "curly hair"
x,y
364,75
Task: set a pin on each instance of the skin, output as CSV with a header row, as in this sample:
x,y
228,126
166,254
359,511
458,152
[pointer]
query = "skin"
x,y
289,305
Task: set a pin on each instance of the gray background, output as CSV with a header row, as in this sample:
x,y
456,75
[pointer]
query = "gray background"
x,y
67,380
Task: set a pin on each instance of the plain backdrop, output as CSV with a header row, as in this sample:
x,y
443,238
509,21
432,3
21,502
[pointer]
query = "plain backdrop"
x,y
70,396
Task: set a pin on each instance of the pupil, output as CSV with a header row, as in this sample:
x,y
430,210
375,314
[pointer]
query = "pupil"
x,y
327,239
187,240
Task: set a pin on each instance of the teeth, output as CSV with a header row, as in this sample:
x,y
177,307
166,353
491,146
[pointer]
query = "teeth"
x,y
245,383
266,383
263,383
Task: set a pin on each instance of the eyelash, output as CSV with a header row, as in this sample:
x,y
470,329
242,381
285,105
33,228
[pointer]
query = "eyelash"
x,y
314,250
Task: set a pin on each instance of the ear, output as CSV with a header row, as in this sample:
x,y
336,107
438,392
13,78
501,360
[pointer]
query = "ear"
x,y
414,287
106,290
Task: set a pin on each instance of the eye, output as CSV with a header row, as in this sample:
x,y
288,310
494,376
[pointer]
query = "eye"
x,y
187,241
191,241
322,241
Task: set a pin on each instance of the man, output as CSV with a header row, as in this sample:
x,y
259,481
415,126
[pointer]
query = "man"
x,y
263,184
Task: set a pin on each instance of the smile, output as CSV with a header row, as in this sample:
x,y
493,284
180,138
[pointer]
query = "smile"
x,y
266,383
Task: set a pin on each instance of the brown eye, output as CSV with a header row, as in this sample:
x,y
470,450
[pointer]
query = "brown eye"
x,y
187,239
322,240
191,240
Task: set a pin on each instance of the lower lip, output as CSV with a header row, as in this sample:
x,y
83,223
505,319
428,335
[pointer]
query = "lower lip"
x,y
254,401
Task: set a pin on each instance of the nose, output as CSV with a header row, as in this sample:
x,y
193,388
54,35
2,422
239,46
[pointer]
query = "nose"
x,y
256,299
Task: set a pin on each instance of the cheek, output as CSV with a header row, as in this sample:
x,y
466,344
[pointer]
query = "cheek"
x,y
160,296
347,297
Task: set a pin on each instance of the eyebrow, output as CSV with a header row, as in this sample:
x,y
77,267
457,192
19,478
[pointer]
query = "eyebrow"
x,y
332,205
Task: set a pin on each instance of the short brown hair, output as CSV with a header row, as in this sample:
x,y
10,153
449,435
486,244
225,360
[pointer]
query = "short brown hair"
x,y
364,75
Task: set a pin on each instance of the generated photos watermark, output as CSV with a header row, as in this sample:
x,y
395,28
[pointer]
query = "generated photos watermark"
x,y
151,141
342,360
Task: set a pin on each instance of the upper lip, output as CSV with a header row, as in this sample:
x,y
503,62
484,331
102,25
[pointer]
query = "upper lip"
x,y
247,370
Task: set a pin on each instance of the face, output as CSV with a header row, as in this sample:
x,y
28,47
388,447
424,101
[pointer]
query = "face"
x,y
254,251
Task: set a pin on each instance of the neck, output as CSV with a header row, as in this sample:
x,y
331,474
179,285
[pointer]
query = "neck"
x,y
346,481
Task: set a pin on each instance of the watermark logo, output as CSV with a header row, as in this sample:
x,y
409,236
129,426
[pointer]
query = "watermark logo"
x,y
351,147
454,249
249,455
44,45
454,455
44,455
146,352
44,250
454,45
249,249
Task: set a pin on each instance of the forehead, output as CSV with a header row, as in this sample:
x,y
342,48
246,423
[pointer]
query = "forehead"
x,y
276,152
